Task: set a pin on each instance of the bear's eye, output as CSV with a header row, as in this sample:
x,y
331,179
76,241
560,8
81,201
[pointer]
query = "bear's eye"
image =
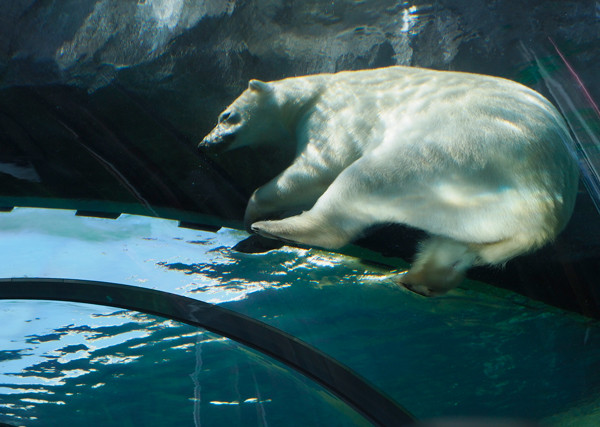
x,y
229,117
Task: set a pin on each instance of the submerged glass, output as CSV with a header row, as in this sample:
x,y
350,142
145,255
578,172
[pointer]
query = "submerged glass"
x,y
75,363
479,351
102,104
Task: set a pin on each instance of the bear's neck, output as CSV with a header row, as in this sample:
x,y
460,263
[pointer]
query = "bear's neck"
x,y
295,97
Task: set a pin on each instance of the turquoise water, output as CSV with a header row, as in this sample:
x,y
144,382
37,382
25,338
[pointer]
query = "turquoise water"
x,y
130,369
478,351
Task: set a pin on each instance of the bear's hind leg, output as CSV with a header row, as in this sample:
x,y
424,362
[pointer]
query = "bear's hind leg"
x,y
440,265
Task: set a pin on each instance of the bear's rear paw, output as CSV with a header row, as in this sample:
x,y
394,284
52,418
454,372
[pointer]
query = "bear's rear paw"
x,y
431,280
416,288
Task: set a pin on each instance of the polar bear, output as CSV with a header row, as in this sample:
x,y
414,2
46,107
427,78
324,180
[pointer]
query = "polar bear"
x,y
480,163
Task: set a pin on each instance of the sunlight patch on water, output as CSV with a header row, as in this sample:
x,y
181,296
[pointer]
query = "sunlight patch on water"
x,y
187,346
114,360
13,390
235,402
30,400
73,373
31,380
68,357
155,254
323,260
97,343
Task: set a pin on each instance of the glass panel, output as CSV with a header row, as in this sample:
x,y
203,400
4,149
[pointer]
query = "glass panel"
x,y
102,106
132,250
478,351
66,363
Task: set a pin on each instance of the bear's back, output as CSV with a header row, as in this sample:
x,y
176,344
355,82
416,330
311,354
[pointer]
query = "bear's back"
x,y
472,115
452,128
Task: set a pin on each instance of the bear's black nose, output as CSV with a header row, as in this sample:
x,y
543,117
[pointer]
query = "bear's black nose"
x,y
216,145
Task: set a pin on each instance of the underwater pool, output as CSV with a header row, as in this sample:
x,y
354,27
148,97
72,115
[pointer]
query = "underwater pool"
x,y
103,104
477,352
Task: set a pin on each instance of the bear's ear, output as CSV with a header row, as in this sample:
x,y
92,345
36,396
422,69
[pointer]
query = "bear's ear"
x,y
259,86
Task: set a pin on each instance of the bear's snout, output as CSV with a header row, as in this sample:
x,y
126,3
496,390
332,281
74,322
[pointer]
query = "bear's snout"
x,y
216,144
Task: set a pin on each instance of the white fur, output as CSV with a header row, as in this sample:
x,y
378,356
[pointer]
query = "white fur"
x,y
478,162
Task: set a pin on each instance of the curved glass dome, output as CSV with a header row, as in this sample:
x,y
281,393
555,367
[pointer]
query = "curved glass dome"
x,y
102,364
131,294
479,351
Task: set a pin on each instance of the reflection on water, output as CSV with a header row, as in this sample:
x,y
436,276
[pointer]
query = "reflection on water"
x,y
477,351
123,368
244,274
155,254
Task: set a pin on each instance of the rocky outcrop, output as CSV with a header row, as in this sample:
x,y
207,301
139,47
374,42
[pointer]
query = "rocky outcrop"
x,y
189,58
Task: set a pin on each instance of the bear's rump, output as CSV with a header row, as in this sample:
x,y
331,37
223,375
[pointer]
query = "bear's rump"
x,y
483,206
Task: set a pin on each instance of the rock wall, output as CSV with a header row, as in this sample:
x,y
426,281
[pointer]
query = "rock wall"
x,y
190,58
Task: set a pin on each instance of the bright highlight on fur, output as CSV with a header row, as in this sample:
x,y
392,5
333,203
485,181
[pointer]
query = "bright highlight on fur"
x,y
478,162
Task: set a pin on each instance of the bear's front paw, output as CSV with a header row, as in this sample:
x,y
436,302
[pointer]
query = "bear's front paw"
x,y
262,228
274,230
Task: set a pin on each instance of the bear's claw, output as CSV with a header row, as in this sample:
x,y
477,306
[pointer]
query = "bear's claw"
x,y
258,228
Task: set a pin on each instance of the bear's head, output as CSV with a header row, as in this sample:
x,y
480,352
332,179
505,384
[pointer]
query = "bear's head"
x,y
252,119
